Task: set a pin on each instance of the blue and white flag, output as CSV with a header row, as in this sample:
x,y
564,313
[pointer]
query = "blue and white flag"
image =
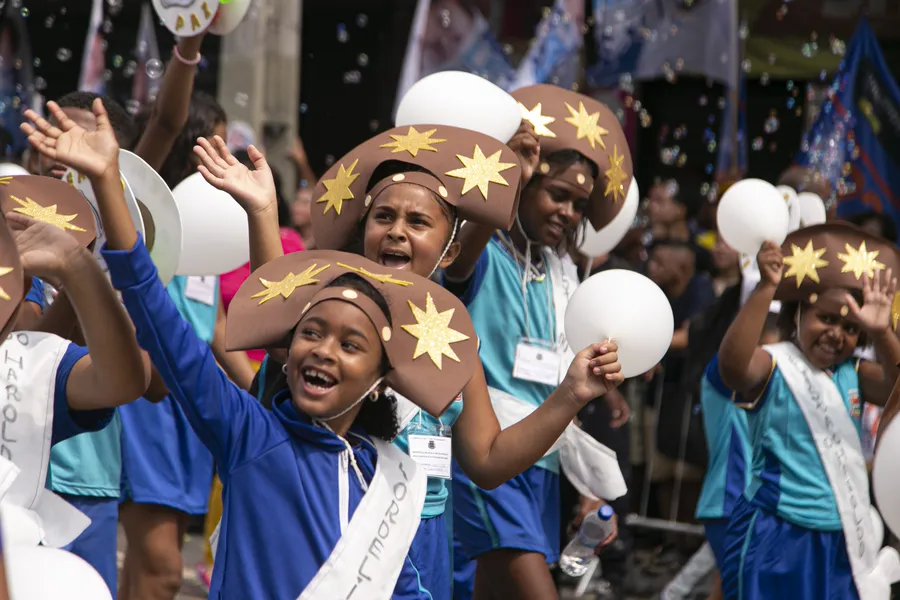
x,y
554,54
648,39
855,140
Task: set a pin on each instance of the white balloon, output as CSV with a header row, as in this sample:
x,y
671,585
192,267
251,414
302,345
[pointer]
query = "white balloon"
x,y
7,169
42,573
229,16
596,243
812,209
627,308
461,99
793,204
151,190
885,483
750,213
215,233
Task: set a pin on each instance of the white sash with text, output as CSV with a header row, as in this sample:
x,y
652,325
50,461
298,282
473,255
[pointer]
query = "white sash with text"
x,y
840,450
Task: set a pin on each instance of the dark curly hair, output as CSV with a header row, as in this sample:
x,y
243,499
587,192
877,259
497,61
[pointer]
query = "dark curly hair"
x,y
121,121
379,418
204,114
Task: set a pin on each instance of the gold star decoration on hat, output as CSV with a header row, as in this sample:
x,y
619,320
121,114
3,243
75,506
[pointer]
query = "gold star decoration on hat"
x,y
538,120
286,286
859,261
46,214
5,271
5,180
433,332
338,189
615,175
413,142
587,125
803,263
480,171
376,276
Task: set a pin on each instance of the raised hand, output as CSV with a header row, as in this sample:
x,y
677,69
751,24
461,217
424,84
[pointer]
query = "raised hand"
x,y
771,263
878,298
527,148
594,372
253,189
45,251
93,153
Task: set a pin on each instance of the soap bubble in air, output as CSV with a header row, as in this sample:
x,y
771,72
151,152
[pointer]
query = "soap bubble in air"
x,y
154,68
361,20
63,54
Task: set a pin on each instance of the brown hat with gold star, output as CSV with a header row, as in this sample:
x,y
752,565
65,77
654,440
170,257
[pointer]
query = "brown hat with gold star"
x,y
12,285
567,120
470,171
832,255
49,200
428,337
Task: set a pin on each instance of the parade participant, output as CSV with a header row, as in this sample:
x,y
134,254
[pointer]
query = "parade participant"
x,y
69,388
414,187
339,355
578,169
808,497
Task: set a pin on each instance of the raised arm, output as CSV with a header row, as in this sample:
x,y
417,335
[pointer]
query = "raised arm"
x,y
744,366
490,456
877,379
228,422
254,191
170,111
113,372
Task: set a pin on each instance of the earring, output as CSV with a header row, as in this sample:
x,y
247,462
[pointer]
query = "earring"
x,y
284,369
375,396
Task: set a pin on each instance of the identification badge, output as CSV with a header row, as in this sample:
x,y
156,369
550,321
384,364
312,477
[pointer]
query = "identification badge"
x,y
537,361
432,453
201,289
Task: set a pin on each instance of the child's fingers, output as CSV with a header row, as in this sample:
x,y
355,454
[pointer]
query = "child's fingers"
x,y
210,178
209,162
224,152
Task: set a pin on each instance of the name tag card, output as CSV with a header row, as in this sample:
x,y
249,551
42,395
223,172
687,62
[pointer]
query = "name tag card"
x,y
432,453
201,289
537,362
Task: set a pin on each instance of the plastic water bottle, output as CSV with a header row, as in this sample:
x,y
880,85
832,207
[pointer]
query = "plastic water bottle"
x,y
578,554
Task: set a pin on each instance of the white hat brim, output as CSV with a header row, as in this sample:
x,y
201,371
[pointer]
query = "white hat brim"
x,y
215,231
150,188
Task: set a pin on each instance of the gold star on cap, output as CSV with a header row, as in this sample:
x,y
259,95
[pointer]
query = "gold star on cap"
x,y
859,261
615,175
286,286
5,271
803,263
338,189
412,142
538,120
432,329
376,276
46,214
5,180
587,125
480,171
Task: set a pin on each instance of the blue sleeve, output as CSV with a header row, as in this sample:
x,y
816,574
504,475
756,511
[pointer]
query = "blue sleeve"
x,y
36,293
233,426
68,423
715,378
467,290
